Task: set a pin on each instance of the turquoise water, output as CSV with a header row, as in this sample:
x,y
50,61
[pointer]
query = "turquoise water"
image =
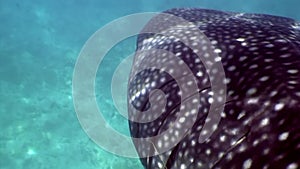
x,y
39,44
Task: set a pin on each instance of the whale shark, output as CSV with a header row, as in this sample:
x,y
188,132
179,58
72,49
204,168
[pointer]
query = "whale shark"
x,y
259,123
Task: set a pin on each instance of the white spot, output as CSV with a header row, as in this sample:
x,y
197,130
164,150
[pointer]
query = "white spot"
x,y
181,62
271,37
189,83
266,151
222,138
199,74
193,143
178,125
194,111
143,91
194,44
253,66
159,143
283,136
292,71
264,78
292,166
244,44
253,48
278,106
242,148
160,165
163,79
30,152
267,103
231,68
280,40
270,45
296,26
195,100
166,137
220,155
153,84
251,91
247,164
231,46
223,115
208,151
252,101
204,132
264,137
242,114
217,59
248,32
268,60
204,48
217,50
213,42
199,164
181,119
193,38
210,100
273,93
171,71
242,58
285,55
292,82
240,39
265,122
176,133
255,142
182,166
227,80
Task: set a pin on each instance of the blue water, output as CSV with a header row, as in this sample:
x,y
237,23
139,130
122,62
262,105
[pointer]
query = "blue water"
x,y
39,43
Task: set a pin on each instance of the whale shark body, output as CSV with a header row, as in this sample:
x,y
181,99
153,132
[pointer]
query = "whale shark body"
x,y
259,125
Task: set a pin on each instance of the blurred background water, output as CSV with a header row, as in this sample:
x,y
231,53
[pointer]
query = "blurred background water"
x,y
39,44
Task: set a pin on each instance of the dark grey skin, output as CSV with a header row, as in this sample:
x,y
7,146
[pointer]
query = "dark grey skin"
x,y
260,125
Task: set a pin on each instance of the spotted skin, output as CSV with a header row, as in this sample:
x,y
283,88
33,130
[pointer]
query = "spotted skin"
x,y
259,126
